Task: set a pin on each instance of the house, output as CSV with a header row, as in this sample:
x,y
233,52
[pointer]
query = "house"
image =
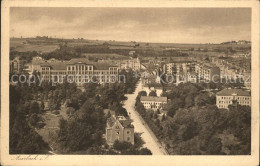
x,y
153,102
226,97
16,65
119,128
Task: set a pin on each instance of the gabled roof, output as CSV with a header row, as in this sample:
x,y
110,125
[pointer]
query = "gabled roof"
x,y
125,122
153,98
45,64
235,92
58,65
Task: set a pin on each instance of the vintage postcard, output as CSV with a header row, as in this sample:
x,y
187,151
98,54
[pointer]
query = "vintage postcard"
x,y
115,82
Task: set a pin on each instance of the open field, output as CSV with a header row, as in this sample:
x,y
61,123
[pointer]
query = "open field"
x,y
50,44
52,125
37,48
104,55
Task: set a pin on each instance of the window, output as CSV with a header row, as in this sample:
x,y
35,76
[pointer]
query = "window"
x,y
128,132
128,138
117,127
117,132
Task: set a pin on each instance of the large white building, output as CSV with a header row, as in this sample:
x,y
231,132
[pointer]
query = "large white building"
x,y
79,71
153,102
226,97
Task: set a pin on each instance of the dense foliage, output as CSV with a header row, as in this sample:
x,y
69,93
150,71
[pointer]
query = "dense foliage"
x,y
23,118
194,125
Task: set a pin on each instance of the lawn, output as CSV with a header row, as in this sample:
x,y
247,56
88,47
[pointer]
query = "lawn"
x,y
52,125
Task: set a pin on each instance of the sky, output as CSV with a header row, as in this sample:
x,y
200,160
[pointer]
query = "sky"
x,y
159,25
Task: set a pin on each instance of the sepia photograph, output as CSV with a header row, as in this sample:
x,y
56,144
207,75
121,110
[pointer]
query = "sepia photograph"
x,y
119,80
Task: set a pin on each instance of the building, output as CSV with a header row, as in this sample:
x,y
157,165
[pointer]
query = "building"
x,y
36,63
178,70
226,97
79,71
157,88
192,77
133,63
16,65
119,128
207,72
176,67
153,102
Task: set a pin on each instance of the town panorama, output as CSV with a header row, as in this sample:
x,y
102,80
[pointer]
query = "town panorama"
x,y
79,95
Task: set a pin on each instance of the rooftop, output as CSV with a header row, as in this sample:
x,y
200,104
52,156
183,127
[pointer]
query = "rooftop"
x,y
153,98
61,65
233,92
125,122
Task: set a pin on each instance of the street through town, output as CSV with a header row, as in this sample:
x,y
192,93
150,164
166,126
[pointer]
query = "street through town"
x,y
149,138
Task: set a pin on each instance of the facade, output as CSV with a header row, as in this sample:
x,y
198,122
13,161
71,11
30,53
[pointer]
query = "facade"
x,y
226,97
133,63
179,70
192,77
79,71
207,72
176,67
16,65
153,102
119,128
36,63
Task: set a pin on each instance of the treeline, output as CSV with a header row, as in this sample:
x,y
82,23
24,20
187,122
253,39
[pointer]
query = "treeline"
x,y
194,125
130,78
100,49
22,120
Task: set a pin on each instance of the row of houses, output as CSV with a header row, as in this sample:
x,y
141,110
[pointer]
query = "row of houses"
x,y
234,68
191,71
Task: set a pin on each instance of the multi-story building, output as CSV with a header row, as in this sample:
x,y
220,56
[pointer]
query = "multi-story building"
x,y
176,67
133,63
192,77
179,70
119,128
153,102
79,71
207,72
16,65
36,63
226,97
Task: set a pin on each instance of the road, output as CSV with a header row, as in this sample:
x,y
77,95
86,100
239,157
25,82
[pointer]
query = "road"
x,y
140,127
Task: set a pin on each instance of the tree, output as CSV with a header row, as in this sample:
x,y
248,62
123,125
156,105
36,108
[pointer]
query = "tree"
x,y
121,145
203,99
34,108
42,105
189,101
142,93
214,146
152,93
163,118
155,116
34,119
145,151
70,111
172,106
